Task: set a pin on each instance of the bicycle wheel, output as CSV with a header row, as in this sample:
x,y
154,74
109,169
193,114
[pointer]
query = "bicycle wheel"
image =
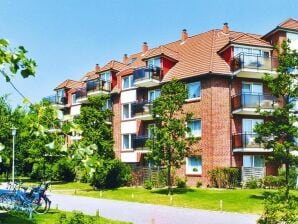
x,y
40,206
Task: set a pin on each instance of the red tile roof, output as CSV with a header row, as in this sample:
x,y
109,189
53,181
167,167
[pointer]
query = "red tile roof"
x,y
289,24
162,50
248,39
69,84
114,65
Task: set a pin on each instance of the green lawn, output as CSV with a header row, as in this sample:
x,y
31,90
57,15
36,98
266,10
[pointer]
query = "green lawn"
x,y
234,200
50,218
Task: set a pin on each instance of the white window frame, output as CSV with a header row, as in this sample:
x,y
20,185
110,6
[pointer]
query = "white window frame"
x,y
189,170
130,137
252,84
104,75
152,62
129,111
200,131
73,98
130,82
252,159
199,94
251,50
154,92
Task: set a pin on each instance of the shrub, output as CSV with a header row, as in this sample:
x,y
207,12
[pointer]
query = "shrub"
x,y
180,183
224,177
199,184
75,218
279,209
111,174
292,176
253,183
148,184
273,181
64,170
41,172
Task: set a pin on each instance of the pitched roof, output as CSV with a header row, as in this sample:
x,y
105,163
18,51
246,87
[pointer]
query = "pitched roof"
x,y
69,84
248,39
289,24
162,50
113,64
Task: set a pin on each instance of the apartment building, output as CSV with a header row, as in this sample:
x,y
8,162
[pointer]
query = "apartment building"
x,y
222,70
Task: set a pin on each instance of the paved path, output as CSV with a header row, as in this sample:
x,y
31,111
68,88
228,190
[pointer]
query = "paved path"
x,y
138,213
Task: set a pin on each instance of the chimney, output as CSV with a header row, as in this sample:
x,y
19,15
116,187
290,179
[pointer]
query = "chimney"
x,y
145,47
184,35
125,59
225,28
97,68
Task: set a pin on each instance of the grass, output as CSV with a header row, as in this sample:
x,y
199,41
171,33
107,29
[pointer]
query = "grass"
x,y
235,200
50,218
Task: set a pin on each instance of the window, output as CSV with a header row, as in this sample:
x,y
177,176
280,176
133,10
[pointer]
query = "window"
x,y
108,105
126,111
253,161
153,94
250,51
252,87
194,90
193,165
151,130
127,141
127,82
248,125
106,76
195,128
153,62
73,98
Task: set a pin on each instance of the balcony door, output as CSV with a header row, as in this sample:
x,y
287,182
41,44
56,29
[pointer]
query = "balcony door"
x,y
248,126
251,94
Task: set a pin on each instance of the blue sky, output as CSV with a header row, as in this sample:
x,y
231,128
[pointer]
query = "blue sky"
x,y
67,38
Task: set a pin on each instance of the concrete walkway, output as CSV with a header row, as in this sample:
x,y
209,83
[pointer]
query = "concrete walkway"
x,y
139,213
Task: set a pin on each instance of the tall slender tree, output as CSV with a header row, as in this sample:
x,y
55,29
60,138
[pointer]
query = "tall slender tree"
x,y
280,132
170,144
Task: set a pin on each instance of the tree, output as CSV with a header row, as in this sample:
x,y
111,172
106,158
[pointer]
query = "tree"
x,y
5,135
14,61
170,144
280,131
93,122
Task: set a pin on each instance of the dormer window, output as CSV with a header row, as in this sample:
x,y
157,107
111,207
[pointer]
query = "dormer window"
x,y
251,51
106,76
154,62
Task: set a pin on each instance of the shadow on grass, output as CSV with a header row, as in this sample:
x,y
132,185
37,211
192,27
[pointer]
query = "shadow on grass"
x,y
175,191
262,196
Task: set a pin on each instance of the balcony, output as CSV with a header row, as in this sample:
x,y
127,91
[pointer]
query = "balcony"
x,y
253,66
248,173
57,101
98,87
142,110
139,142
245,142
248,103
147,77
81,95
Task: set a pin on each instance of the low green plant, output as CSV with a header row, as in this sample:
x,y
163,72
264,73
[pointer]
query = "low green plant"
x,y
148,184
180,183
111,174
75,218
253,183
279,209
64,170
273,182
199,184
224,177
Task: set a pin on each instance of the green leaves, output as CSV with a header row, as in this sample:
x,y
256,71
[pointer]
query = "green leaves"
x,y
14,61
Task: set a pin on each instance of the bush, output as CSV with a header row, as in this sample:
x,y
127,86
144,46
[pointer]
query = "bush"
x,y
273,181
253,183
224,177
111,174
148,184
292,176
199,184
279,209
64,170
41,172
180,183
76,218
